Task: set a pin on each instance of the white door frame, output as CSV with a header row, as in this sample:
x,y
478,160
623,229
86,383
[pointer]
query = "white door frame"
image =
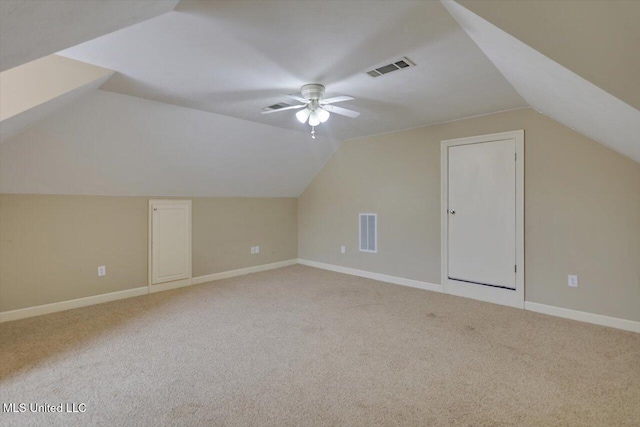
x,y
177,283
513,298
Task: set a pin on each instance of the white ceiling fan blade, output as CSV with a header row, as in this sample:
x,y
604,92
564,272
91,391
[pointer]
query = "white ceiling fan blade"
x,y
291,107
341,111
335,99
299,98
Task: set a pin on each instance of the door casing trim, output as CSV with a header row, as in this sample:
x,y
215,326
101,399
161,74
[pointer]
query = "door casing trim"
x,y
513,298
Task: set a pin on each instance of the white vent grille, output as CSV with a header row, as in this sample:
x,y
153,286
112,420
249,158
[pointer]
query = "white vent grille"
x,y
394,66
368,232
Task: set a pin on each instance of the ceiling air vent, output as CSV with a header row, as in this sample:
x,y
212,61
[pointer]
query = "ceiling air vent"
x,y
398,65
275,107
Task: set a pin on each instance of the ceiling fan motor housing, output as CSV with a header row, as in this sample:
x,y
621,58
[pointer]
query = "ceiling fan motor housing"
x,y
312,91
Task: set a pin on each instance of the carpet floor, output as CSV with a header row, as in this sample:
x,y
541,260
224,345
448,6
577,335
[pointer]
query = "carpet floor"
x,y
300,346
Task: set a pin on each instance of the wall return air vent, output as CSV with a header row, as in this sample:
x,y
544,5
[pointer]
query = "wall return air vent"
x,y
368,232
395,66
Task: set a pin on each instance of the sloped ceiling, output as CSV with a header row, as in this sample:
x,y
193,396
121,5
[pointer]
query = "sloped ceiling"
x,y
113,144
554,90
31,29
34,90
236,57
182,115
598,40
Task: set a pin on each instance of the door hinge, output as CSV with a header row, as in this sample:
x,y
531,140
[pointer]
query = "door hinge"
x,y
515,268
516,157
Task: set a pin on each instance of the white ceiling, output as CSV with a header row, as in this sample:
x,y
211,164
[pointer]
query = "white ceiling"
x,y
31,29
235,57
113,144
554,90
207,68
22,121
36,89
598,40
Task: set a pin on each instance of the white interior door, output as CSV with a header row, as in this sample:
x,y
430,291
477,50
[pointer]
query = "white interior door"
x,y
482,213
483,217
170,240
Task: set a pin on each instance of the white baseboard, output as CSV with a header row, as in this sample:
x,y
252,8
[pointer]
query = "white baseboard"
x,y
597,319
39,310
583,316
170,285
375,276
22,313
242,271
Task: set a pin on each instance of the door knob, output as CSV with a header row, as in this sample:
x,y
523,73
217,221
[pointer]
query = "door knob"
x,y
452,211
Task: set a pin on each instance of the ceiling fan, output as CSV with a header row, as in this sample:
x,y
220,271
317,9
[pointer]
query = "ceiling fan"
x,y
316,108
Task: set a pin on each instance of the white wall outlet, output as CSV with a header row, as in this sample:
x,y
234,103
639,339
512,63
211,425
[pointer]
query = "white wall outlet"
x,y
255,249
102,270
573,281
343,249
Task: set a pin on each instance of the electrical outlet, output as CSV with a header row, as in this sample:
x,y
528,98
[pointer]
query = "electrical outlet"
x,y
573,281
257,249
102,270
343,249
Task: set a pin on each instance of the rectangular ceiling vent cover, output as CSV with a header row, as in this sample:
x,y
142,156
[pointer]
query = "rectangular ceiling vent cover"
x,y
277,106
395,66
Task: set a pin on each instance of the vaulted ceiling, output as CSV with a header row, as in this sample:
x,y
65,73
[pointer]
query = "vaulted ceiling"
x,y
555,90
205,69
597,40
112,144
234,58
31,29
41,87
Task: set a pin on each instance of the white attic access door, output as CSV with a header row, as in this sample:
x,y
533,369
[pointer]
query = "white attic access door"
x,y
169,244
483,217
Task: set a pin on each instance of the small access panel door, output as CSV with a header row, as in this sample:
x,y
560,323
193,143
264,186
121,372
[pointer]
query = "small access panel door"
x,y
170,246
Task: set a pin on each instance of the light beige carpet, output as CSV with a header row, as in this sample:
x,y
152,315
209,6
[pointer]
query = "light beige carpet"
x,y
301,346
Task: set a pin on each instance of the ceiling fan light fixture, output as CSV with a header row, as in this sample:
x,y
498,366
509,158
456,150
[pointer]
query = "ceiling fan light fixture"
x,y
303,115
314,120
314,108
323,115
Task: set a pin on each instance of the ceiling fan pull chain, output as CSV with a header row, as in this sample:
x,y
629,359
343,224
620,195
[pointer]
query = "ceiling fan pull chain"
x,y
313,132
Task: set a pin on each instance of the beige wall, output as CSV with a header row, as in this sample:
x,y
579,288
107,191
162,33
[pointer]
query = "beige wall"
x,y
582,210
582,217
51,246
224,229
